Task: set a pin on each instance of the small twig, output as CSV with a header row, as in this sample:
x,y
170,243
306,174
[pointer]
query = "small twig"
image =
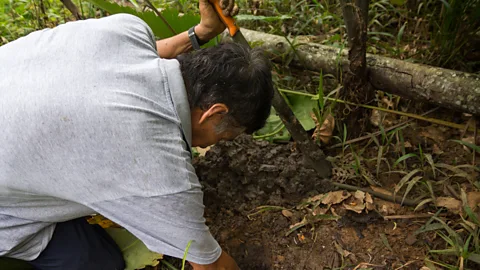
x,y
474,139
154,9
359,139
72,8
390,198
425,215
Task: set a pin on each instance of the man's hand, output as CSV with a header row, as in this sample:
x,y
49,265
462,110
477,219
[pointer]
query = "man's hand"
x,y
210,25
225,262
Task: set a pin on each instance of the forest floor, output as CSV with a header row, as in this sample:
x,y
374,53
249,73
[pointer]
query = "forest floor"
x,y
255,192
269,211
242,175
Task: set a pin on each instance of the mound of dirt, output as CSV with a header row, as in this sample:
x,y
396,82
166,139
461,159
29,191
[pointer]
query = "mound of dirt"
x,y
247,171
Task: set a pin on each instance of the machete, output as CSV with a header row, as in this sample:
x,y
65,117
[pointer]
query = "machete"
x,y
233,29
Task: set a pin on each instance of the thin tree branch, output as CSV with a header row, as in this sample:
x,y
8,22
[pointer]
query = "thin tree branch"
x,y
73,9
390,198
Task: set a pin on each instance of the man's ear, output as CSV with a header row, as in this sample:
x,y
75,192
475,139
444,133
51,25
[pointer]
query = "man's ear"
x,y
215,109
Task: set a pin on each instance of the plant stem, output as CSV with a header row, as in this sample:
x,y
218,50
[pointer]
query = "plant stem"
x,y
411,115
280,127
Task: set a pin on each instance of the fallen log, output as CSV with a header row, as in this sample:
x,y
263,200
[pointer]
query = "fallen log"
x,y
451,89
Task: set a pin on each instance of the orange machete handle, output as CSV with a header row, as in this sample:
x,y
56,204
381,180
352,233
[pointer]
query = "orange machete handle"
x,y
227,20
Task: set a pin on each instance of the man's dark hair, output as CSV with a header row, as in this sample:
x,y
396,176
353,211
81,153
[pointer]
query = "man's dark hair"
x,y
234,75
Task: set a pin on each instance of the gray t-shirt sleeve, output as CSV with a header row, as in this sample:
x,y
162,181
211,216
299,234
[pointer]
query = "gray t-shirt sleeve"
x,y
166,224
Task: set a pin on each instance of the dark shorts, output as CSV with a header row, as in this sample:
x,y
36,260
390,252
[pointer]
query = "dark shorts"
x,y
75,244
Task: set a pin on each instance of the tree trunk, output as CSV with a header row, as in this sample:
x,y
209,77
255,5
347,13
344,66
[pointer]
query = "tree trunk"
x,y
451,89
355,82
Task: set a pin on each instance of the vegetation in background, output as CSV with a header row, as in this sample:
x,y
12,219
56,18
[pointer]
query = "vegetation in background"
x,y
437,32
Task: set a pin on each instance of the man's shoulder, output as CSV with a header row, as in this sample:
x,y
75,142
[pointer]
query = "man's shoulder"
x,y
124,26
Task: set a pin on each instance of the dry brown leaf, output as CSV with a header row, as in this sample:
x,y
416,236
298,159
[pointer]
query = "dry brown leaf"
x,y
408,144
452,204
324,132
386,208
368,198
102,221
436,150
388,102
287,213
316,197
359,195
335,197
320,211
334,212
376,118
354,204
369,202
355,207
304,221
434,133
473,199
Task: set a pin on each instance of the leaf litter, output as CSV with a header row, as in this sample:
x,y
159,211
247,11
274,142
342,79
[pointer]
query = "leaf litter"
x,y
308,217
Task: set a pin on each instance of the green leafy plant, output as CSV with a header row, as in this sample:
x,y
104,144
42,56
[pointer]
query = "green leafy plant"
x,y
135,253
161,28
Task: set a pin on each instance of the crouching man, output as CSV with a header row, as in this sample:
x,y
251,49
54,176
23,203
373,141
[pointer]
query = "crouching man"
x,y
98,117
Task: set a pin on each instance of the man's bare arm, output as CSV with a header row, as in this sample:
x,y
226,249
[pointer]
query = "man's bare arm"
x,y
225,262
210,26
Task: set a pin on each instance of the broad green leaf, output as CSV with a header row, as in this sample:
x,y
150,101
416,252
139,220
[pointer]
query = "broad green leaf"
x,y
135,253
158,26
274,129
302,107
249,17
